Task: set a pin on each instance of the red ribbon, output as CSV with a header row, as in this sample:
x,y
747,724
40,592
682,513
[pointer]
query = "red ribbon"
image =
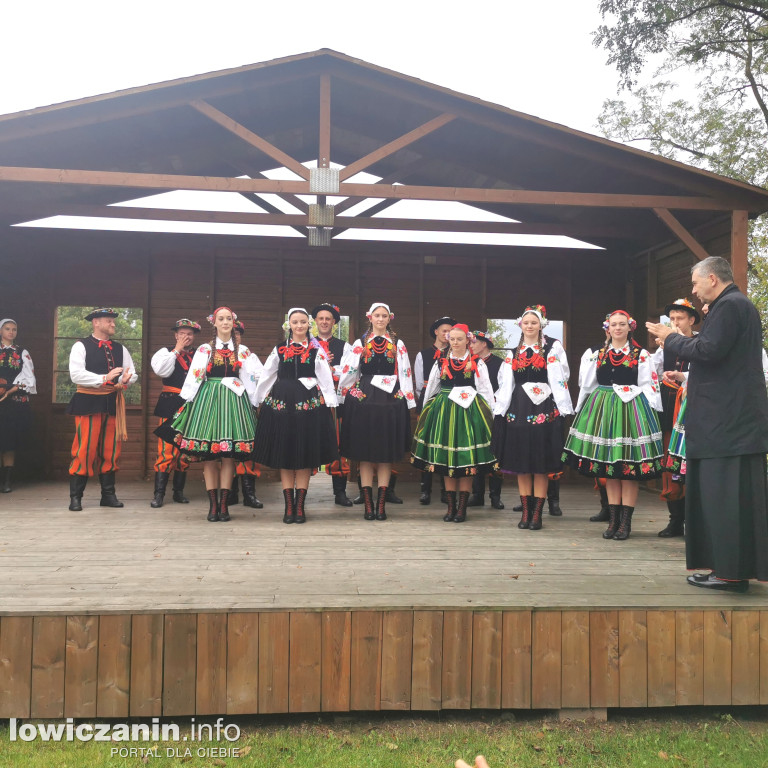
x,y
105,343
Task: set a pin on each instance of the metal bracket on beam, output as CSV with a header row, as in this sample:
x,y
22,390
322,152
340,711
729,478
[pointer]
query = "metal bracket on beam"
x,y
324,181
321,215
319,236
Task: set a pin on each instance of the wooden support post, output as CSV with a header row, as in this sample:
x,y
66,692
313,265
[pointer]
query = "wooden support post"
x,y
739,248
685,236
324,154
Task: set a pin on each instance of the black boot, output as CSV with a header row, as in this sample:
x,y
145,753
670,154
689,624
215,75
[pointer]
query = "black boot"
x,y
461,507
477,498
234,493
224,494
603,516
536,512
614,516
301,494
426,488
526,502
6,487
249,492
213,509
392,497
340,497
161,481
518,507
289,516
443,492
449,516
108,498
494,491
676,525
381,503
77,485
553,498
367,493
359,498
625,524
179,480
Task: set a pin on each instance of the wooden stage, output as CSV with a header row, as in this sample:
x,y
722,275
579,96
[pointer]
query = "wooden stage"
x,y
141,612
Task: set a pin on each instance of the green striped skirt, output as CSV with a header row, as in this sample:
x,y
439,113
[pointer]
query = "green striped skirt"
x,y
451,440
613,439
217,424
675,461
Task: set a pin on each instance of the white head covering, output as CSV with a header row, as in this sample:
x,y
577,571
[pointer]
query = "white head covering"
x,y
7,320
297,309
376,305
537,310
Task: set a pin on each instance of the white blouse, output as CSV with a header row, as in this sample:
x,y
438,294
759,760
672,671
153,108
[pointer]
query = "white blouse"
x,y
350,371
323,374
482,381
25,379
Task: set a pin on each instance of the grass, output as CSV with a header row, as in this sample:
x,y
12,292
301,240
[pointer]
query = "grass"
x,y
698,738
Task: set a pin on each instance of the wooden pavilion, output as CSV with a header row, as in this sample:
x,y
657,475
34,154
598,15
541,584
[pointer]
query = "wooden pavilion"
x,y
327,117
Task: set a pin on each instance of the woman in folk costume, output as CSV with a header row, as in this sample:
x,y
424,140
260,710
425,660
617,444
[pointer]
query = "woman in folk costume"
x,y
453,435
216,423
616,433
296,432
17,383
531,402
376,387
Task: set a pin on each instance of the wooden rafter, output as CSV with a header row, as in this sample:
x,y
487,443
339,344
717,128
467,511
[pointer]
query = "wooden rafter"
x,y
384,191
685,236
269,208
251,138
396,176
396,145
324,129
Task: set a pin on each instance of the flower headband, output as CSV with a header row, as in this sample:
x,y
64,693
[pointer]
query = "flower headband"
x,y
632,321
216,311
378,304
537,309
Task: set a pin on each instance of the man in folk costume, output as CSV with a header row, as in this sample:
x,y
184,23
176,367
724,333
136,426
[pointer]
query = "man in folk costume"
x,y
672,371
171,365
425,360
102,369
482,346
726,434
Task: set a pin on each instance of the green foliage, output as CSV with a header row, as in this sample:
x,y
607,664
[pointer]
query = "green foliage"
x,y
499,335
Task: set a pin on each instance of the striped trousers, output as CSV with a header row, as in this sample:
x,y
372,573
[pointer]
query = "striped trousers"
x,y
95,445
169,457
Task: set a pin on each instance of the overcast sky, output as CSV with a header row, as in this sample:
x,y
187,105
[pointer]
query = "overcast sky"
x,y
536,57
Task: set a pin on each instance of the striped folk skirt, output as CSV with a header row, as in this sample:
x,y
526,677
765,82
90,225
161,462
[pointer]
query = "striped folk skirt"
x,y
217,424
616,440
675,460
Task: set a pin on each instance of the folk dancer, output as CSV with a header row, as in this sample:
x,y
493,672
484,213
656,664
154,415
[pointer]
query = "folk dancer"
x,y
171,364
101,369
17,383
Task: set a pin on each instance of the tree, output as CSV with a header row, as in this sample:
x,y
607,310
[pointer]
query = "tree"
x,y
723,44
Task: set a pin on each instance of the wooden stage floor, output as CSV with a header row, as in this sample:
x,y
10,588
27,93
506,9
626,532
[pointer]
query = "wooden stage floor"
x,y
137,559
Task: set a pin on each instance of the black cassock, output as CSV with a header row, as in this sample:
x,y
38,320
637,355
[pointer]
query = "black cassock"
x,y
726,439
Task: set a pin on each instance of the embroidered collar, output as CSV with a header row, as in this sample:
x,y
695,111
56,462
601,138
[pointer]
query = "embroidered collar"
x,y
222,344
459,359
624,349
379,336
535,347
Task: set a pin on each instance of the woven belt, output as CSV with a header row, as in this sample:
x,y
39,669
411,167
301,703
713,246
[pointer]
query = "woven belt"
x,y
120,423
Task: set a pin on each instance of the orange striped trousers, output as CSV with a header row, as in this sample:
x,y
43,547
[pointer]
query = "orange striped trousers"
x,y
169,457
95,445
248,468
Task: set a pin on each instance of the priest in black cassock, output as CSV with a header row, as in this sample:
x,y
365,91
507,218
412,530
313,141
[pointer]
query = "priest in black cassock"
x,y
726,433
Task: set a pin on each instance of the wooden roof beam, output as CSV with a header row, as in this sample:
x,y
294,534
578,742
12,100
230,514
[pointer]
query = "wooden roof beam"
x,y
269,208
250,138
396,176
685,236
324,128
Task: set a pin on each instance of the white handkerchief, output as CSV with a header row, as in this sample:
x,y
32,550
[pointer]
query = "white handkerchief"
x,y
233,383
627,392
537,393
387,383
308,381
463,396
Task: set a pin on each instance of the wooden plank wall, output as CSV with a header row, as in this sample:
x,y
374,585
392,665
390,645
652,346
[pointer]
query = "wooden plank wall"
x,y
337,661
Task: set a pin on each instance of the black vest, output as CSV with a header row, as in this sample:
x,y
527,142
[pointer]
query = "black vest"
x,y
294,368
624,373
169,402
493,364
11,364
428,361
531,373
668,394
99,360
451,378
378,364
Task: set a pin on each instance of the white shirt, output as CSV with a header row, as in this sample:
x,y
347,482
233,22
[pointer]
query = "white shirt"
x,y
81,376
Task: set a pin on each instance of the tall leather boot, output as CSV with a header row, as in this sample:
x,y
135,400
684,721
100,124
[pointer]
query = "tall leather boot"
x,y
249,492
449,516
604,515
340,497
625,524
526,504
381,503
6,486
179,481
614,516
536,512
676,525
161,481
224,505
494,491
426,488
301,494
289,516
443,492
461,507
213,509
234,492
359,498
477,497
367,493
77,485
392,497
553,498
108,498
